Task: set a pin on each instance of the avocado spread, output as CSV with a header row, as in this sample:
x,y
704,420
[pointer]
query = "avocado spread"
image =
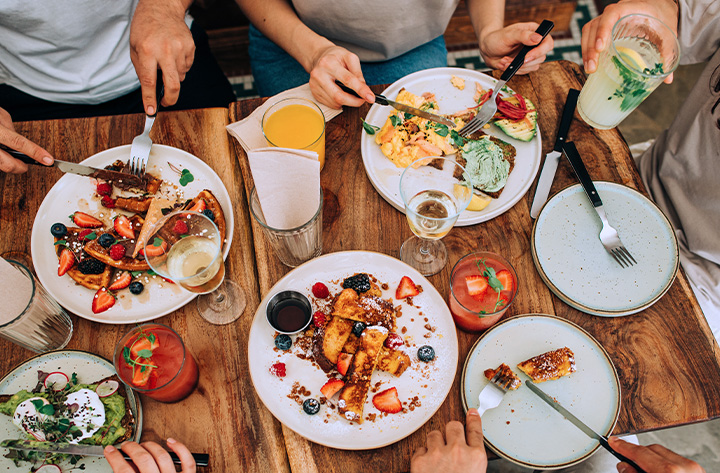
x,y
486,166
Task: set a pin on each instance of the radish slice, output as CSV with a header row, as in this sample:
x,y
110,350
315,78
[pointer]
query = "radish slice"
x,y
57,380
39,436
49,469
107,388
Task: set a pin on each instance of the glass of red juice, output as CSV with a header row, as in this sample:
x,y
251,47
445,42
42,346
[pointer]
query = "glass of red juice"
x,y
153,360
482,287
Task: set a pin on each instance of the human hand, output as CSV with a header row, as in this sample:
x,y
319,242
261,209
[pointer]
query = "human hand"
x,y
159,38
334,62
499,47
462,450
652,459
596,33
149,457
17,142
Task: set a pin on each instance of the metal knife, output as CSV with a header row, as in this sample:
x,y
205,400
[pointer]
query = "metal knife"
x,y
547,174
580,425
382,100
201,459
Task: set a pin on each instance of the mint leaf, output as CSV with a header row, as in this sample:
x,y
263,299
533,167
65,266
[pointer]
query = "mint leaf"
x,y
38,403
126,356
369,129
61,242
157,242
145,353
152,338
441,129
135,274
73,378
408,116
186,177
91,236
395,120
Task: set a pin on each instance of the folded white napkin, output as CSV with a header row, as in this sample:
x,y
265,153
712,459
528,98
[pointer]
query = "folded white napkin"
x,y
248,131
15,291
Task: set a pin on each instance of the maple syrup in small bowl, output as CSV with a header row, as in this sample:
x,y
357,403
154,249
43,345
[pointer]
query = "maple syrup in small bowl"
x,y
289,312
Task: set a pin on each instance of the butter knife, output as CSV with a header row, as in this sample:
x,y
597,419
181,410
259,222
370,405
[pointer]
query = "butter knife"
x,y
580,425
547,174
382,100
201,459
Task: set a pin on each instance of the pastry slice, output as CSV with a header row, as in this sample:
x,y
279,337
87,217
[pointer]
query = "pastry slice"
x,y
209,201
549,366
505,373
394,362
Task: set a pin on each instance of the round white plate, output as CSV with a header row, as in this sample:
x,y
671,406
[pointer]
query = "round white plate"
x,y
73,192
573,263
429,382
90,368
525,430
385,176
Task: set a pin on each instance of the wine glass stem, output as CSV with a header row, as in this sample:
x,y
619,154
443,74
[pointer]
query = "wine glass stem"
x,y
425,246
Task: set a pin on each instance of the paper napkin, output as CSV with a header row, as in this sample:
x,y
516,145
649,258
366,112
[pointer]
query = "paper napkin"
x,y
248,131
15,291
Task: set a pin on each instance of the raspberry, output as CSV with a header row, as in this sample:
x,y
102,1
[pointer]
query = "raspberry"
x,y
180,227
117,252
394,341
318,319
108,202
278,369
84,233
320,290
103,188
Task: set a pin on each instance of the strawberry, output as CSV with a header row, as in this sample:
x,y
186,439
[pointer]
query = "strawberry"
x,y
320,290
103,188
394,341
67,260
117,251
319,319
84,220
84,233
180,227
406,288
476,285
331,387
107,202
344,363
278,369
157,247
505,277
123,227
141,374
102,301
199,206
387,401
121,282
144,344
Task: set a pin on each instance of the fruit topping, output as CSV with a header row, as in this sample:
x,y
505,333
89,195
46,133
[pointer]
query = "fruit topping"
x,y
387,401
136,287
149,343
104,188
108,202
87,234
56,381
199,206
311,406
67,260
123,227
506,279
320,290
117,252
319,319
121,282
107,388
283,342
406,288
394,341
343,363
102,301
476,285
180,227
106,240
331,387
278,369
358,328
91,266
209,214
58,230
84,220
157,247
141,375
359,282
426,353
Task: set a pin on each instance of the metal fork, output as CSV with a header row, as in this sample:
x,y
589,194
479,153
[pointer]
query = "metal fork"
x,y
140,150
608,235
492,394
489,108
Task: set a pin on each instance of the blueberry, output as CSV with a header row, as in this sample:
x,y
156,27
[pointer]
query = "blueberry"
x,y
136,287
358,328
426,353
106,240
311,406
58,230
283,342
91,266
209,214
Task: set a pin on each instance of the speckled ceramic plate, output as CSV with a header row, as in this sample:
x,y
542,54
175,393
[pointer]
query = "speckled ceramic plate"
x,y
89,368
525,430
575,266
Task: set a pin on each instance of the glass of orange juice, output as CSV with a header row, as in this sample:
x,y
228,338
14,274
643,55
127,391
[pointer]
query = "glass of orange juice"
x,y
295,123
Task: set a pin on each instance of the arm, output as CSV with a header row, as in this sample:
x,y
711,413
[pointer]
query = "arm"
x,y
653,458
149,457
17,142
320,57
499,44
159,38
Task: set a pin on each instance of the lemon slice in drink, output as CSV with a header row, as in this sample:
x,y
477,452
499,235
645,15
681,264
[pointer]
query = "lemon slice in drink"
x,y
632,57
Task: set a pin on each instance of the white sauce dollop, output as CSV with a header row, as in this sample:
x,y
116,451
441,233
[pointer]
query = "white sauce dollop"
x,y
91,414
28,418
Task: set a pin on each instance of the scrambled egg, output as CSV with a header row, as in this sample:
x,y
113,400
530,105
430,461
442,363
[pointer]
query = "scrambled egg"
x,y
457,82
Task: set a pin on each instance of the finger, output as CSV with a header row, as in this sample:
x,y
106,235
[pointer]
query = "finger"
x,y
455,433
18,142
161,456
473,428
146,69
670,455
645,457
11,165
353,65
540,51
435,440
669,79
116,460
186,459
140,457
589,52
171,82
419,452
357,84
6,120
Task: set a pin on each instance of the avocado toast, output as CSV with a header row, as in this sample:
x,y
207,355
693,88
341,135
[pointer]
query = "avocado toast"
x,y
488,160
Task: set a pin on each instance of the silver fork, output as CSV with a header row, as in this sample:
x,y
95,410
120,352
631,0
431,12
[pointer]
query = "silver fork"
x,y
492,394
489,108
140,150
608,235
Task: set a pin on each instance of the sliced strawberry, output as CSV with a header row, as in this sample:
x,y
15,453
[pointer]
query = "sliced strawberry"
x,y
102,301
505,277
67,260
476,285
387,401
394,341
157,247
84,220
144,344
103,188
123,226
83,233
344,363
319,319
141,374
406,288
331,387
320,290
199,206
121,282
180,227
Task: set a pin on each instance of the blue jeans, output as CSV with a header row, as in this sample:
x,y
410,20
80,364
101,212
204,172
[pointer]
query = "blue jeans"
x,y
274,70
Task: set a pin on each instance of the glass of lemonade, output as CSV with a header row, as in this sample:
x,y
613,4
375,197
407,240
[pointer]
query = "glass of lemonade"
x,y
295,123
435,193
642,53
185,247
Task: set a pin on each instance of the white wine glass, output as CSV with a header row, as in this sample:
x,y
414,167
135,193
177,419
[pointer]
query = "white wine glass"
x,y
186,247
435,192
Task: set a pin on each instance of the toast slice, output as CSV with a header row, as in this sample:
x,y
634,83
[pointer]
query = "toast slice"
x,y
549,366
213,204
509,153
394,362
371,310
336,334
90,281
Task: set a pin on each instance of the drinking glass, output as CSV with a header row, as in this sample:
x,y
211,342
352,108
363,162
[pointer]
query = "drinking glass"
x,y
295,123
30,316
185,247
435,193
642,53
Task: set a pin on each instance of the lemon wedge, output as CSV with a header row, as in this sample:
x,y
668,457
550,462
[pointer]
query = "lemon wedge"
x,y
632,57
479,202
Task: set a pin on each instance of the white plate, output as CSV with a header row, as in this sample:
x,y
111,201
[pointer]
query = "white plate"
x,y
73,192
90,368
385,176
525,430
573,263
430,382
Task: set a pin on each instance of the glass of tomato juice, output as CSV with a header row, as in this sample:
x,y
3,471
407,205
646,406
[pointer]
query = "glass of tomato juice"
x,y
153,360
482,287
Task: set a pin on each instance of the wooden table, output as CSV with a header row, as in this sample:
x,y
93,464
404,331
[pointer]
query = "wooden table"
x,y
665,356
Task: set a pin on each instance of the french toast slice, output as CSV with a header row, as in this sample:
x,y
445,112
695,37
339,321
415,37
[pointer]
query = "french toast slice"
x,y
127,262
505,374
336,334
213,204
90,281
550,365
371,310
394,362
